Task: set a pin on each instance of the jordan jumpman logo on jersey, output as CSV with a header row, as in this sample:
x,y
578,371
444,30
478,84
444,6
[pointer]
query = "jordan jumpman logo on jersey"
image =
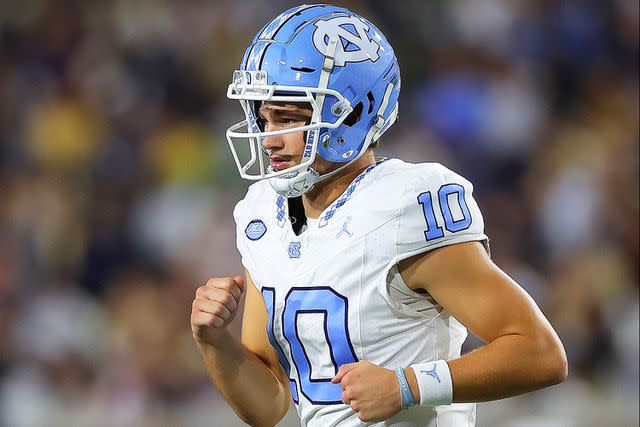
x,y
344,229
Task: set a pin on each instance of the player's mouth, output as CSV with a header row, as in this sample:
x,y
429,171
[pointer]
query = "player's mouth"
x,y
279,163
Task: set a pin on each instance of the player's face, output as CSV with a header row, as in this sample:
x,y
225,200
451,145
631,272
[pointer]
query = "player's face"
x,y
286,150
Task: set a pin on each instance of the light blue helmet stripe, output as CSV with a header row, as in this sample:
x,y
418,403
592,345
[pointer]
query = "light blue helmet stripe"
x,y
255,55
294,22
278,31
270,30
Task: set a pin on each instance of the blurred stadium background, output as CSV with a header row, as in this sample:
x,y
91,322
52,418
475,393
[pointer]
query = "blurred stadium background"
x,y
117,187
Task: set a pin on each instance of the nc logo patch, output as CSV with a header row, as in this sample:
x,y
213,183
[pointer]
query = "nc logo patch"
x,y
255,229
354,44
294,250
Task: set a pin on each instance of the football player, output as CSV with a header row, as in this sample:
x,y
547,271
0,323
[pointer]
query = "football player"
x,y
362,273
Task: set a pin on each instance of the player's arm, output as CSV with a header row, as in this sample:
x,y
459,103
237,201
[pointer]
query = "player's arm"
x,y
523,352
246,372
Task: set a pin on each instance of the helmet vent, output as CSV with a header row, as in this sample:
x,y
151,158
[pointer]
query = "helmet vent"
x,y
303,69
353,116
370,98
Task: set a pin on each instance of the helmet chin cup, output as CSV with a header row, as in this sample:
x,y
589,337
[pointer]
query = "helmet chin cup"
x,y
295,186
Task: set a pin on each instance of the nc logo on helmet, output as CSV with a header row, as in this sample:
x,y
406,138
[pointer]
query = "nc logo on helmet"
x,y
357,48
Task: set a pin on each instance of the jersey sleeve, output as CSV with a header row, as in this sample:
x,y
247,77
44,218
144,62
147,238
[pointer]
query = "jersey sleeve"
x,y
437,209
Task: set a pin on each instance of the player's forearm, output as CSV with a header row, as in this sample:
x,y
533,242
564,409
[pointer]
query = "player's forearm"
x,y
245,381
508,366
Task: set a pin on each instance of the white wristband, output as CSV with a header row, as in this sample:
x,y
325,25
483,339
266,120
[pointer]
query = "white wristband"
x,y
434,383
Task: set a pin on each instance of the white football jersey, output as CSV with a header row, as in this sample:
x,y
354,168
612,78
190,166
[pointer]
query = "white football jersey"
x,y
334,294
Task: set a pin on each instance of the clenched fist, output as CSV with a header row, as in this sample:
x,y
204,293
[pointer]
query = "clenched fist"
x,y
214,307
372,392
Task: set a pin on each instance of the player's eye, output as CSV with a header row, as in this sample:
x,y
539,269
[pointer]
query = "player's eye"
x,y
261,122
290,121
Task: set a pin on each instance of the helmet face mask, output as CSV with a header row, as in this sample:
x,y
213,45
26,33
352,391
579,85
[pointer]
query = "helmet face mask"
x,y
332,59
249,94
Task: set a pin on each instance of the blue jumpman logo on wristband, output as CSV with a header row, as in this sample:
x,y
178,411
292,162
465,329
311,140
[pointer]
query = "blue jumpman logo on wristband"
x,y
432,373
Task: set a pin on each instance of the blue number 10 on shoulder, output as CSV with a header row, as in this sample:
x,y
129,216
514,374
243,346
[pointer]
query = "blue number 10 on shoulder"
x,y
434,231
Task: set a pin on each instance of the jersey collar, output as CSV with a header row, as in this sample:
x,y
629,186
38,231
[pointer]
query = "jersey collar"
x,y
281,201
340,201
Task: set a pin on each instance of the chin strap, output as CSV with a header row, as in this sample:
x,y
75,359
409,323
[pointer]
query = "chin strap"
x,y
296,185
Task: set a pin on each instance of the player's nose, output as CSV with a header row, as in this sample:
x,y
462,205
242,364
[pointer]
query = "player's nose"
x,y
273,142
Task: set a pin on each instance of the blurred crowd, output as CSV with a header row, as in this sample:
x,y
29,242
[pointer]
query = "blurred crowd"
x,y
117,189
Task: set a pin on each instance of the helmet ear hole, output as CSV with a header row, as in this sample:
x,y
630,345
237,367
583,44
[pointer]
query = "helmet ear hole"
x,y
353,116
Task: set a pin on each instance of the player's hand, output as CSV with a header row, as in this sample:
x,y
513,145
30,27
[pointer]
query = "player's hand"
x,y
371,391
214,307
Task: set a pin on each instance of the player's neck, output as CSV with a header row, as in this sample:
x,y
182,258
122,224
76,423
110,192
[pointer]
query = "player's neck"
x,y
326,192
